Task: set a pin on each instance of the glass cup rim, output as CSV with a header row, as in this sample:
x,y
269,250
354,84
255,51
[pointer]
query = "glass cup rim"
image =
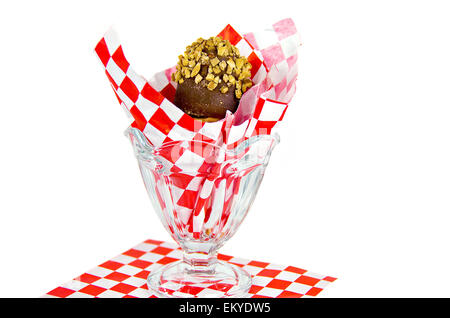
x,y
275,137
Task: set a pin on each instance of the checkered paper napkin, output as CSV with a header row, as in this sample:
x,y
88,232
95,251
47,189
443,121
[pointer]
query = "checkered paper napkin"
x,y
125,276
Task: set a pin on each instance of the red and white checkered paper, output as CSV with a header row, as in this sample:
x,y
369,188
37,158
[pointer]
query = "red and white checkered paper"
x,y
273,55
125,276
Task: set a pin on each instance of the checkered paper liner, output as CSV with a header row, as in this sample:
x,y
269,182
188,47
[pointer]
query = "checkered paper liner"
x,y
125,276
273,55
149,104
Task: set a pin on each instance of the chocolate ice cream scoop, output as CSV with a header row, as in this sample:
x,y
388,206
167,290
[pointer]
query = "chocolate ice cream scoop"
x,y
211,77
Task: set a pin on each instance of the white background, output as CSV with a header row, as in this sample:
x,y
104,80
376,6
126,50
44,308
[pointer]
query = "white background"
x,y
358,187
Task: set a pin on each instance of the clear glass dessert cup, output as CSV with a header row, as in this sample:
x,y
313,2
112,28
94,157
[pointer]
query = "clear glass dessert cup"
x,y
201,200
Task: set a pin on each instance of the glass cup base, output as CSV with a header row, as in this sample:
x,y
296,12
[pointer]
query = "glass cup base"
x,y
180,280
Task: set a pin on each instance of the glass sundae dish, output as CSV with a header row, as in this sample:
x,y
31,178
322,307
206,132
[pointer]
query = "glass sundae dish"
x,y
201,193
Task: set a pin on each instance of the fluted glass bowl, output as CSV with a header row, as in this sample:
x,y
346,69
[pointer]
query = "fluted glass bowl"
x,y
201,193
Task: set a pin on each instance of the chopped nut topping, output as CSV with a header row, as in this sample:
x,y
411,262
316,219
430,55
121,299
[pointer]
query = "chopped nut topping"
x,y
242,76
229,70
246,85
187,73
195,70
223,65
176,76
197,55
204,59
211,85
216,61
222,51
239,63
198,79
231,63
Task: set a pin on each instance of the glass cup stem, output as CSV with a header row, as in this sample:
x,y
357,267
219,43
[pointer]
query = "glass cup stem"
x,y
200,258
